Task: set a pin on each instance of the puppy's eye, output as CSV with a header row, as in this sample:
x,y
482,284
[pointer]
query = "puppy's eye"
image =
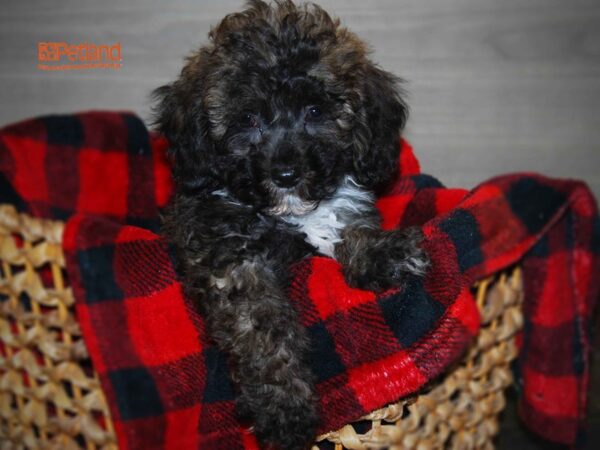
x,y
313,113
249,120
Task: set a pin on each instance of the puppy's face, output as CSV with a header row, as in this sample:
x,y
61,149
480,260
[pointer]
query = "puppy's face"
x,y
281,133
278,108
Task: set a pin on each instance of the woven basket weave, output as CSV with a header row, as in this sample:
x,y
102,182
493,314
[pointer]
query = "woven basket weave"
x,y
50,396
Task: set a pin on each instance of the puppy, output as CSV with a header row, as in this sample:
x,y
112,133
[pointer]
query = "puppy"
x,y
282,132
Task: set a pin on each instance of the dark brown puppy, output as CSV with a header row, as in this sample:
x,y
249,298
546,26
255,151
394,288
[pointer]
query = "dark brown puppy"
x,y
282,131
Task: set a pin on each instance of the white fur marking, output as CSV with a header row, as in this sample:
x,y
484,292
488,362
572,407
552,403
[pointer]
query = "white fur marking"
x,y
324,224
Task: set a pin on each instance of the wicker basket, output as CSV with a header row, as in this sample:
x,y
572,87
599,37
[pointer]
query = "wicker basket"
x,y
50,396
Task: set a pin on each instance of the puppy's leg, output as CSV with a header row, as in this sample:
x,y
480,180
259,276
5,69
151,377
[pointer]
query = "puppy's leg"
x,y
252,321
236,268
376,260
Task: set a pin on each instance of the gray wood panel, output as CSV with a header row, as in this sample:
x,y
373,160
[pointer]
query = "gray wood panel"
x,y
495,86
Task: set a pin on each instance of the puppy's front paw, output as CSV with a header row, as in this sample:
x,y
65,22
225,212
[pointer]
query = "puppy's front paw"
x,y
384,261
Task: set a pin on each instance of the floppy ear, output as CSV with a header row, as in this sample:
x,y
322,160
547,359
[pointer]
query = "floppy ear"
x,y
377,134
180,117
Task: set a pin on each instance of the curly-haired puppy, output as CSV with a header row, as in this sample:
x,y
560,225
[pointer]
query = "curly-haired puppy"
x,y
282,131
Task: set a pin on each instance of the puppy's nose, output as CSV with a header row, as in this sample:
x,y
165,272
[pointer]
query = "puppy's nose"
x,y
285,177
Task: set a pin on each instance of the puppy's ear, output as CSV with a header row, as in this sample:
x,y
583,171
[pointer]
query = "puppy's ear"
x,y
180,117
376,141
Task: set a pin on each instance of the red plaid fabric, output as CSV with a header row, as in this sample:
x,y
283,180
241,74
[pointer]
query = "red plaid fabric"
x,y
167,385
94,163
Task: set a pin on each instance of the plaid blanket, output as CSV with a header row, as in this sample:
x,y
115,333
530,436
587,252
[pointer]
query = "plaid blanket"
x,y
167,385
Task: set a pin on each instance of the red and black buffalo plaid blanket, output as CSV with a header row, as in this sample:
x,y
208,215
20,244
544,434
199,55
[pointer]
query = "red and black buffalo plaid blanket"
x,y
168,387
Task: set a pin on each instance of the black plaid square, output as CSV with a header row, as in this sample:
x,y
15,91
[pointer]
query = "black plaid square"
x,y
411,313
534,215
9,195
138,142
325,361
97,264
64,130
218,384
135,393
462,229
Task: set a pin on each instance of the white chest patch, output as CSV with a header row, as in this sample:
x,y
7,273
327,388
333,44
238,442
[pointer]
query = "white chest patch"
x,y
323,225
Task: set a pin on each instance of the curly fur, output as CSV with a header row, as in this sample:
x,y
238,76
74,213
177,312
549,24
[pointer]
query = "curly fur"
x,y
282,131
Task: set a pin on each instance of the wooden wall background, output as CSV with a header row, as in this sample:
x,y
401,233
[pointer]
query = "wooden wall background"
x,y
495,85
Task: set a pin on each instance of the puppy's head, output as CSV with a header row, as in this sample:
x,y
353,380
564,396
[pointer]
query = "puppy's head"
x,y
278,108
